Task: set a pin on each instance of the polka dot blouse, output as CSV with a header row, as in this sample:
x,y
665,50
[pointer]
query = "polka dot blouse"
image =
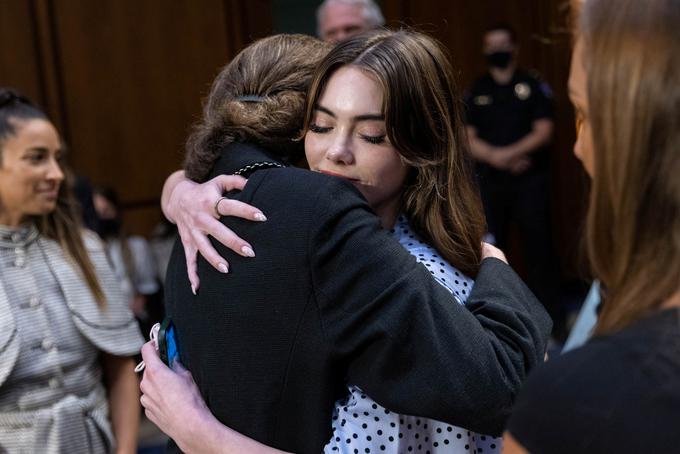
x,y
361,426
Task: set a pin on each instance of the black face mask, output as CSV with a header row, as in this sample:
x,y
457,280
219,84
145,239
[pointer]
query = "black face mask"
x,y
109,228
500,59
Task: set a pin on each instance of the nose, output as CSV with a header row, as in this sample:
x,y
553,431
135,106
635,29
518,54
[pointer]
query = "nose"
x,y
579,138
340,151
340,37
54,173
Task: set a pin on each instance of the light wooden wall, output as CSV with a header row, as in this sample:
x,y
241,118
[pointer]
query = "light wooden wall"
x,y
123,80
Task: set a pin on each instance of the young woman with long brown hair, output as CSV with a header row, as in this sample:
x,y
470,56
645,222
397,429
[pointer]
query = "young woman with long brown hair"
x,y
621,391
382,118
66,335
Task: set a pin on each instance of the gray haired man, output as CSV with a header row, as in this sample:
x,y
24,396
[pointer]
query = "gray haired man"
x,y
338,20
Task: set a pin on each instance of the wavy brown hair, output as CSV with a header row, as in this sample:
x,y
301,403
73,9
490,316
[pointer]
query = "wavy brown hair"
x,y
632,63
62,225
422,109
275,73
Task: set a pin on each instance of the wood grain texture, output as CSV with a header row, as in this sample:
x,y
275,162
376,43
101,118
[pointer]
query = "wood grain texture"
x,y
123,80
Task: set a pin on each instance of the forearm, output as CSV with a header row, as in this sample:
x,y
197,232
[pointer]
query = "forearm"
x,y
480,149
168,187
174,404
216,438
540,135
123,401
399,337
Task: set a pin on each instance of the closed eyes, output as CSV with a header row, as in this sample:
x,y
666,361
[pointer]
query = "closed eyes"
x,y
375,140
319,129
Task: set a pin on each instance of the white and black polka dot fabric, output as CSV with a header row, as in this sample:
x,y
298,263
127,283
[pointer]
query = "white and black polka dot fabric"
x,y
361,426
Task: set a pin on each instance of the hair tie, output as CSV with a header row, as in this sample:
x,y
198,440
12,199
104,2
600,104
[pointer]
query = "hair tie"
x,y
250,98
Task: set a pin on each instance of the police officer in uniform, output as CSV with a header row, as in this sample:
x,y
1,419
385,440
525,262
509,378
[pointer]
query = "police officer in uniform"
x,y
510,126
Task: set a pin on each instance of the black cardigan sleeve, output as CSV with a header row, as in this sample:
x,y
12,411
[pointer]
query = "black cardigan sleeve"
x,y
406,343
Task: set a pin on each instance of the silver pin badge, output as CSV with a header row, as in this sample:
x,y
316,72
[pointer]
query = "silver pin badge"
x,y
522,91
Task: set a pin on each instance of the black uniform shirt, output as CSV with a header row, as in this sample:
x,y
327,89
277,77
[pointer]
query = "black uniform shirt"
x,y
503,114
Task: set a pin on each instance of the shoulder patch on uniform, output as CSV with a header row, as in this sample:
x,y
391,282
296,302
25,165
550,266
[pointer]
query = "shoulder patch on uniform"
x,y
545,89
542,84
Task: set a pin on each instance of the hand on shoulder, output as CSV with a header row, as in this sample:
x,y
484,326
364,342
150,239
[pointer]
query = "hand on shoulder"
x,y
489,250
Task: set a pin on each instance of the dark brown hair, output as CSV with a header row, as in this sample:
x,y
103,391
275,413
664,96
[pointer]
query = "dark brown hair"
x,y
422,111
63,225
633,229
258,97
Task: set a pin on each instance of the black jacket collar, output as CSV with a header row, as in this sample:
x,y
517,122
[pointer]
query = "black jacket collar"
x,y
237,156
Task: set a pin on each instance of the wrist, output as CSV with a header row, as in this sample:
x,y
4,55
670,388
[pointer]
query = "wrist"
x,y
516,152
488,154
126,449
174,201
201,434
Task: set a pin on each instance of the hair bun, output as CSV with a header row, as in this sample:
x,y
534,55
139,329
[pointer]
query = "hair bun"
x,y
9,96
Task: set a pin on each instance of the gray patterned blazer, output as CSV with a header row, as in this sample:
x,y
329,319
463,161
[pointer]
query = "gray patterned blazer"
x,y
71,417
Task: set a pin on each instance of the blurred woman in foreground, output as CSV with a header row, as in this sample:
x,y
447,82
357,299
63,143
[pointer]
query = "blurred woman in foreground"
x,y
621,391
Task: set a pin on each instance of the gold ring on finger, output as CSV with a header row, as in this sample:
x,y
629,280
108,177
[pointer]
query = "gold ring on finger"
x,y
217,205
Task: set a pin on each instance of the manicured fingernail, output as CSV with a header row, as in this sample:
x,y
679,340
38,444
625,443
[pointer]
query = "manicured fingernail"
x,y
247,251
193,289
223,267
260,217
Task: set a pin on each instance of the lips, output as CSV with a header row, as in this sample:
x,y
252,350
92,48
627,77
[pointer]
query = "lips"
x,y
338,175
49,193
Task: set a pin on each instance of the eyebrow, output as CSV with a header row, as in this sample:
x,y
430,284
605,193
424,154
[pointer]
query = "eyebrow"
x,y
46,150
364,117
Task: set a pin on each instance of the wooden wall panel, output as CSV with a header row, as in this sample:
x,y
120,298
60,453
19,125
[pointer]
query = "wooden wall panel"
x,y
132,80
248,21
19,62
123,80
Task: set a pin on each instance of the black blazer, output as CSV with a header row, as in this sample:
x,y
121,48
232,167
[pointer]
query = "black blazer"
x,y
332,299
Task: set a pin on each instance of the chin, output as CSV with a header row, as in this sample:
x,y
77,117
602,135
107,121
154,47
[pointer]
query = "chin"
x,y
586,164
44,209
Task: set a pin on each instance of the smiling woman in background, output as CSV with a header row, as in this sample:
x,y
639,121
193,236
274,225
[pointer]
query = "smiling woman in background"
x,y
66,336
621,391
